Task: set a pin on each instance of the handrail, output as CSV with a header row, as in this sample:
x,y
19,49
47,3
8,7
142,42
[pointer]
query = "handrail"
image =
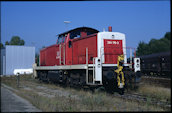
x,y
87,65
93,69
64,54
60,54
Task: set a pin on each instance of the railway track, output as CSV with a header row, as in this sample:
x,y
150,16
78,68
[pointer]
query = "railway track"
x,y
157,77
144,99
165,82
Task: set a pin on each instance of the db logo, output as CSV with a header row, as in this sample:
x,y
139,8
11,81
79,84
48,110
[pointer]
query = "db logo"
x,y
112,42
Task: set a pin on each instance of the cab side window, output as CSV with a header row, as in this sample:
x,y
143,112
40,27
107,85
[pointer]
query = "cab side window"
x,y
75,34
63,39
59,39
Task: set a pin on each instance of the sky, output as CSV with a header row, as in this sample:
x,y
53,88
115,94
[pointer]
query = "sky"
x,y
38,23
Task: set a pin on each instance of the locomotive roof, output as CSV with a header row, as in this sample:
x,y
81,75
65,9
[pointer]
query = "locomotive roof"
x,y
80,28
161,54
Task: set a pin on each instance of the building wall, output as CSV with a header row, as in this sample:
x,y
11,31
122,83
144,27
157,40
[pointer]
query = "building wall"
x,y
2,70
18,57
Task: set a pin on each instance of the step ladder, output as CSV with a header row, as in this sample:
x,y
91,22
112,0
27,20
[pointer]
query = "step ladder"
x,y
94,73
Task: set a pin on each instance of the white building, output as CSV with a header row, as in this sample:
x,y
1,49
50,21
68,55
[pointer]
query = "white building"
x,y
16,57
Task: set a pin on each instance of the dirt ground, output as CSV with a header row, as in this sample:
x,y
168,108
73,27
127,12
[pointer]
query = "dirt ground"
x,y
10,102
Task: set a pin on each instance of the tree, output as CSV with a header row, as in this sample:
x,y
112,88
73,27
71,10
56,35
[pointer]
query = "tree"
x,y
168,35
1,46
154,45
15,40
37,58
7,43
142,49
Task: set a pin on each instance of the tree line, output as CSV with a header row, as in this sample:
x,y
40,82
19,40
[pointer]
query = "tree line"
x,y
155,45
15,40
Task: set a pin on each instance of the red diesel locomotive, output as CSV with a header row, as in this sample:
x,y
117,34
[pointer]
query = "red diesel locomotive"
x,y
86,57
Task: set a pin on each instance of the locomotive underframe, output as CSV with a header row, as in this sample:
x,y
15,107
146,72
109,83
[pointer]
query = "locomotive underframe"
x,y
82,75
82,68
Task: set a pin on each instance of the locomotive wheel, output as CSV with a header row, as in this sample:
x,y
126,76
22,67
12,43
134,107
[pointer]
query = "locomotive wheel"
x,y
68,84
48,80
109,81
121,91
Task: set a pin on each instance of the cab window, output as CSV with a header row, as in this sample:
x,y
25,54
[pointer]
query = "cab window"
x,y
63,39
75,34
59,39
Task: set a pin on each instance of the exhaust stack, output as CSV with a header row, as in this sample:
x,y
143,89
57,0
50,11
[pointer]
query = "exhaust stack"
x,y
110,28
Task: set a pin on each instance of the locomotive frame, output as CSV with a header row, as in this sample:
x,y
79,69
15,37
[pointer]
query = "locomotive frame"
x,y
93,71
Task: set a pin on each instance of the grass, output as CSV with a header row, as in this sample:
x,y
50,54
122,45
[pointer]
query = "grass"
x,y
89,102
49,104
159,93
85,101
